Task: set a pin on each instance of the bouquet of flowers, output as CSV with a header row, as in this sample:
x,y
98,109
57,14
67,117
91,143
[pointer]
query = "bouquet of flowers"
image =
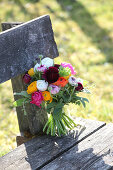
x,y
51,86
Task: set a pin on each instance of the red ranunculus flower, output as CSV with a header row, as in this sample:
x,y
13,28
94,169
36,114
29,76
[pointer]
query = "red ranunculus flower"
x,y
26,78
51,75
61,82
79,88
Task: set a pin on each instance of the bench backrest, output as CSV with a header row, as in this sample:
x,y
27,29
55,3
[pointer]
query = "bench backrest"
x,y
19,48
21,45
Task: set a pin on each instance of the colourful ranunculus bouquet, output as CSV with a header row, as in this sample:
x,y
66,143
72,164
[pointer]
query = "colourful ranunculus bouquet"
x,y
52,86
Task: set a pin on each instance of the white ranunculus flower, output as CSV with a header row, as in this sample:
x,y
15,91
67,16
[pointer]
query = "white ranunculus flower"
x,y
72,81
36,66
48,62
42,85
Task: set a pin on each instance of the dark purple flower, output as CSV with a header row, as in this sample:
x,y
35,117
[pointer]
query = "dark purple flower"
x,y
79,87
51,75
57,65
26,78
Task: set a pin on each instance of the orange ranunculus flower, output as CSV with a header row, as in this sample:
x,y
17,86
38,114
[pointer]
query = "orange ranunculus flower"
x,y
46,95
67,77
32,87
61,82
31,72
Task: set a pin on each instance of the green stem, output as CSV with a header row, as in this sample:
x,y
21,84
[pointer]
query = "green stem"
x,y
71,94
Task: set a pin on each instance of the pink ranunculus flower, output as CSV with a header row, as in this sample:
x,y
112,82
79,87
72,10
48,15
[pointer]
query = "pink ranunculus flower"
x,y
36,98
70,66
53,89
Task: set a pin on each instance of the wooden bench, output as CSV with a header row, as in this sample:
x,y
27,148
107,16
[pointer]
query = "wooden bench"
x,y
88,148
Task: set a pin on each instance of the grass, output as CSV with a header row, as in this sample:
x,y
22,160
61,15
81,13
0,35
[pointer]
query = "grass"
x,y
84,35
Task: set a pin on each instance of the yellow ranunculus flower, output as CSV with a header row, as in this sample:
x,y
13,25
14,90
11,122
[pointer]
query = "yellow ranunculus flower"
x,y
67,77
31,72
46,95
32,87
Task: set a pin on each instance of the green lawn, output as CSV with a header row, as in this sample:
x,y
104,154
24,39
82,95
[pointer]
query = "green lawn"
x,y
84,34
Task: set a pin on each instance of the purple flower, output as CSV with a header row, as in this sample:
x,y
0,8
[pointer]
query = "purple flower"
x,y
51,75
53,89
26,78
69,66
80,87
57,65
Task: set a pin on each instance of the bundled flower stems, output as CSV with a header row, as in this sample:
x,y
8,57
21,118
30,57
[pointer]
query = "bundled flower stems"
x,y
51,86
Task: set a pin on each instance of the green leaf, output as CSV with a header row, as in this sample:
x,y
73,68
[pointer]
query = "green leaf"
x,y
79,100
83,103
49,129
45,126
52,125
67,123
51,105
85,99
57,113
19,102
61,127
71,121
58,129
24,94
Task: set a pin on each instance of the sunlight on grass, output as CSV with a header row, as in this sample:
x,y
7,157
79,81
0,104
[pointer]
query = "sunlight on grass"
x,y
84,34
8,119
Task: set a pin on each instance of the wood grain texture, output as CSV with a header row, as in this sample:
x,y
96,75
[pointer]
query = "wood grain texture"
x,y
93,153
21,45
18,86
36,118
41,150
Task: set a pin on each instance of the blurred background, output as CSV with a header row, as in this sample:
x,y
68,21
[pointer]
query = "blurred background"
x,y
83,31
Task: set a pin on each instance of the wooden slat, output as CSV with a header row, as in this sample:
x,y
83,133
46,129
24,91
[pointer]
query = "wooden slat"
x,y
36,118
21,45
93,153
42,150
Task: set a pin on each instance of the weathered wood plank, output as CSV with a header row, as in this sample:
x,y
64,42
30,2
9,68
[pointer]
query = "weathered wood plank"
x,y
41,150
93,153
21,45
18,86
35,118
